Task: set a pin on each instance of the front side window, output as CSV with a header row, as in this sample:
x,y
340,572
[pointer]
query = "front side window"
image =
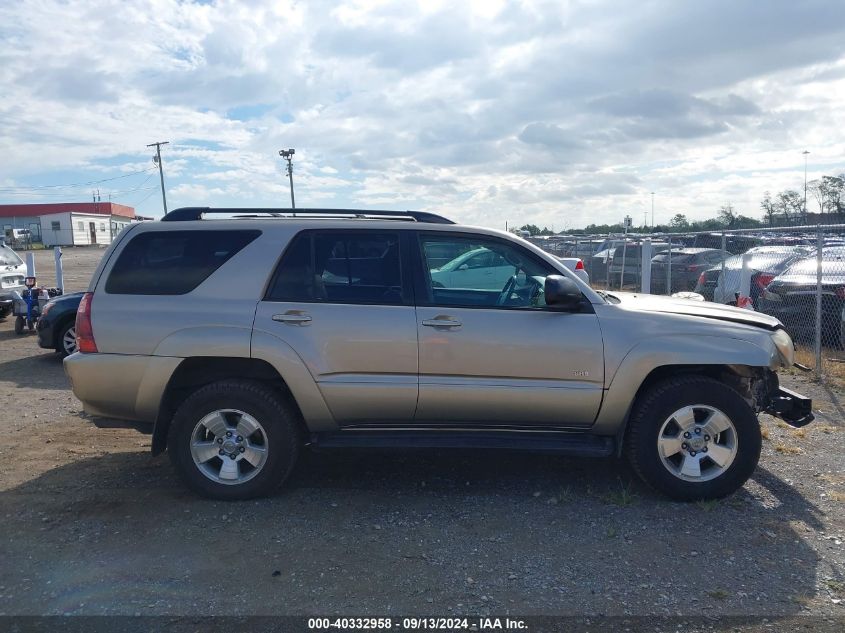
x,y
173,262
486,273
361,267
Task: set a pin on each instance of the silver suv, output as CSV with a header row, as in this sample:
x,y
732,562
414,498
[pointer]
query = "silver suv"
x,y
237,341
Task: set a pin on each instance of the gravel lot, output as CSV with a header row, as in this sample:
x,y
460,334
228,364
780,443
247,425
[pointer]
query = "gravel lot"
x,y
91,524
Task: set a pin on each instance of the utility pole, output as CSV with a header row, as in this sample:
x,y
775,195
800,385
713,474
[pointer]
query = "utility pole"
x,y
287,154
157,161
652,209
805,152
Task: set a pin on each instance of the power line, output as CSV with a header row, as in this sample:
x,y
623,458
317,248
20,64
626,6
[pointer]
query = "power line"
x,y
76,184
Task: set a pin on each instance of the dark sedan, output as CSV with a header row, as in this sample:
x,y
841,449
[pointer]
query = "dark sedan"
x,y
687,264
791,297
56,326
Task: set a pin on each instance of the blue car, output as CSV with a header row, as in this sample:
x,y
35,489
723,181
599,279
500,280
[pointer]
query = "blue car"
x,y
56,326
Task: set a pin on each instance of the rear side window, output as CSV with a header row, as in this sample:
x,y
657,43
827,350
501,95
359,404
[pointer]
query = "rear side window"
x,y
173,262
356,267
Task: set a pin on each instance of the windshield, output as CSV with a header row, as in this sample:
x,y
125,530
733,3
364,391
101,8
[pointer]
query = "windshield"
x,y
8,257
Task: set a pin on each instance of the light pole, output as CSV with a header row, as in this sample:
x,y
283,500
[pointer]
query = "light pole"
x,y
805,152
652,210
157,161
287,154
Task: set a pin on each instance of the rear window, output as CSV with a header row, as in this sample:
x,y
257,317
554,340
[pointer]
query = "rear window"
x,y
355,267
173,262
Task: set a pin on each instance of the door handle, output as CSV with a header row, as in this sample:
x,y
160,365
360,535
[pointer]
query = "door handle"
x,y
441,322
289,317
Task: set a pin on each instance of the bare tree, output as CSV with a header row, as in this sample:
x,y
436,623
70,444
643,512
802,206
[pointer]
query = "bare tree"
x,y
790,204
769,208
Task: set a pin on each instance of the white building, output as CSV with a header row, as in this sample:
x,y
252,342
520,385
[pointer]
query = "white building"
x,y
68,224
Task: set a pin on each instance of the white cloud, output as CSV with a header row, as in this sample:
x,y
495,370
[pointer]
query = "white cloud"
x,y
544,112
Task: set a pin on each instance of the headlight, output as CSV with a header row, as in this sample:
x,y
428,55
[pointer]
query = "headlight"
x,y
47,307
785,346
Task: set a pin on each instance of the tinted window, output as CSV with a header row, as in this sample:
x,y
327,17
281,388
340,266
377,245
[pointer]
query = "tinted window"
x,y
173,262
356,267
501,274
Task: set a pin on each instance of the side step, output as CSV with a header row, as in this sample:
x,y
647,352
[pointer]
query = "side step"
x,y
563,443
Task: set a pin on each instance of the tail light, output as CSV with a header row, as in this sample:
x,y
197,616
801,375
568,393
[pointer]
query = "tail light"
x,y
840,292
579,265
702,278
763,280
84,332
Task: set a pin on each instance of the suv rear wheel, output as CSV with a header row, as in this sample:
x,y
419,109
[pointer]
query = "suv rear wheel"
x,y
234,440
693,438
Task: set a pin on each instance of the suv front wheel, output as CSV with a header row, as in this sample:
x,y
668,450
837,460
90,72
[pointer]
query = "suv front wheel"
x,y
693,438
234,440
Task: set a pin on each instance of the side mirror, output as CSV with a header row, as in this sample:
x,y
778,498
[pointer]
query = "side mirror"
x,y
561,292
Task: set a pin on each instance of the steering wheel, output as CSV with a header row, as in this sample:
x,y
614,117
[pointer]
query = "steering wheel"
x,y
506,291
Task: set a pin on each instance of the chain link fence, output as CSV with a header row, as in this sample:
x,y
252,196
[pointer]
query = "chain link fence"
x,y
796,274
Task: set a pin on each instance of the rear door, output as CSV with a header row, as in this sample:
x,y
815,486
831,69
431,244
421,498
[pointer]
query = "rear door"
x,y
343,301
501,356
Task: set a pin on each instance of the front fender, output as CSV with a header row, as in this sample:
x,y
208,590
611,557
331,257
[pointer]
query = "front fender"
x,y
670,350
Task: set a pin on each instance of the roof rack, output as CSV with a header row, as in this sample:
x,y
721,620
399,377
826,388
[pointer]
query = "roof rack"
x,y
196,213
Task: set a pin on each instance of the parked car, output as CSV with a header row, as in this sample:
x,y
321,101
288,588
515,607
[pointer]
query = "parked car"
x,y
12,276
766,263
56,326
632,253
687,264
791,296
243,350
483,268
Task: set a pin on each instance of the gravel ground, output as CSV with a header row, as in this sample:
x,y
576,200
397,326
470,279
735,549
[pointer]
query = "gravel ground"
x,y
91,524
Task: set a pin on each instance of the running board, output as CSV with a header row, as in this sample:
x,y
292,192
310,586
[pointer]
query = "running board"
x,y
574,444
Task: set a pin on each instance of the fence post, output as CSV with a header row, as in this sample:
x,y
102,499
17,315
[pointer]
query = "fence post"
x,y
669,268
60,278
818,346
622,273
645,263
722,274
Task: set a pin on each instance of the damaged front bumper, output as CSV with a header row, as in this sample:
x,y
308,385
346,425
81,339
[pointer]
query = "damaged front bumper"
x,y
791,407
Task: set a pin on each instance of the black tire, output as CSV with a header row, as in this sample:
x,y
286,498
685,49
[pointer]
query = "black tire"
x,y
60,337
277,417
19,324
4,312
664,399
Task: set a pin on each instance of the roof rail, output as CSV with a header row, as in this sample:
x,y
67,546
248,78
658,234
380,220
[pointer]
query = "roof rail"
x,y
196,213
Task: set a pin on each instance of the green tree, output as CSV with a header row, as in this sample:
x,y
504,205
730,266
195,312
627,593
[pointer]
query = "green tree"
x,y
679,222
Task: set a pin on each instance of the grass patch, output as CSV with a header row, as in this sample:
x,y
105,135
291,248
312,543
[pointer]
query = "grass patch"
x,y
623,497
764,432
787,449
718,594
611,532
837,496
835,586
800,433
707,505
802,599
825,428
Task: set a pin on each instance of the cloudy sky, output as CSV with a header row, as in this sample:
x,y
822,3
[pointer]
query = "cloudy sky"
x,y
556,113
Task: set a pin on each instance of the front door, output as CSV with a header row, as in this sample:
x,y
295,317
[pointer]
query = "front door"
x,y
343,302
92,229
501,356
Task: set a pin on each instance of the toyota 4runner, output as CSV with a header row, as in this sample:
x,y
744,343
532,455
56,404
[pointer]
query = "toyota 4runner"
x,y
236,341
